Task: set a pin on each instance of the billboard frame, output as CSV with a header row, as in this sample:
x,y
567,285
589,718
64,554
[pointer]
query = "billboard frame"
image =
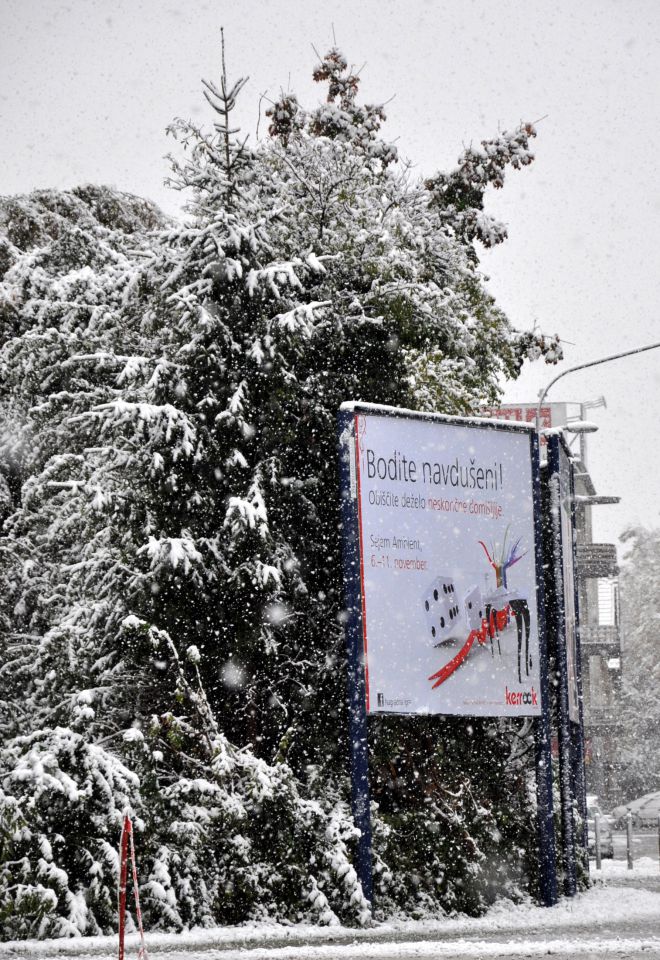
x,y
354,633
571,732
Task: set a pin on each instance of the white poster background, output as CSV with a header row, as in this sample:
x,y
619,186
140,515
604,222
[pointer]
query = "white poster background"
x,y
429,492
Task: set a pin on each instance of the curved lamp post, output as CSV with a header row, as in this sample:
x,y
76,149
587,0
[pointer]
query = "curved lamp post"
x,y
582,366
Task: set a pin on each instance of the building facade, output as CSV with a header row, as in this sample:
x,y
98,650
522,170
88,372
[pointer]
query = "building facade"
x,y
598,595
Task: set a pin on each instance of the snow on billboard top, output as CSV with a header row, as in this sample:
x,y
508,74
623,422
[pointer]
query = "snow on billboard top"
x,y
447,564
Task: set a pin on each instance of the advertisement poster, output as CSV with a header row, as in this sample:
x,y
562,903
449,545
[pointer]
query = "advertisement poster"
x,y
447,566
568,578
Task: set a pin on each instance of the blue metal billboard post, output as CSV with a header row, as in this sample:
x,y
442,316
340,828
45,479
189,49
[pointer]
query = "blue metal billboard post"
x,y
559,490
545,822
357,709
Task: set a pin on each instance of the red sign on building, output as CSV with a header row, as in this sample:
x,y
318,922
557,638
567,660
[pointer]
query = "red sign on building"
x,y
552,414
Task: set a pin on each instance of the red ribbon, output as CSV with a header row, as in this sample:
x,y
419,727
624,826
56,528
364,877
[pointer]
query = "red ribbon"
x,y
497,621
454,664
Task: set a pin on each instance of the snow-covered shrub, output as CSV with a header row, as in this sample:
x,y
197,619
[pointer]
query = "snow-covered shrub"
x,y
61,807
245,845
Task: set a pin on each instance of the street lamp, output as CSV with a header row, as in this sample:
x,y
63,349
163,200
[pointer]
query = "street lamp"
x,y
581,428
582,366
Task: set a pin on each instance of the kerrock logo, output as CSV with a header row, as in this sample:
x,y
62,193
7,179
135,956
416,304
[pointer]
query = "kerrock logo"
x,y
381,700
516,698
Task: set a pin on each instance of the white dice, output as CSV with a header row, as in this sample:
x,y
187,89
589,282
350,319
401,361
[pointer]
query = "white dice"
x,y
444,617
475,609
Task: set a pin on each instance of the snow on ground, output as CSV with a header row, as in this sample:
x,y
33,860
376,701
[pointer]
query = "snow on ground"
x,y
616,921
621,949
642,867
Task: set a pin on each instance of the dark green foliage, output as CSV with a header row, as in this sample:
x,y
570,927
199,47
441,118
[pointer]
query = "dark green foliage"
x,y
456,797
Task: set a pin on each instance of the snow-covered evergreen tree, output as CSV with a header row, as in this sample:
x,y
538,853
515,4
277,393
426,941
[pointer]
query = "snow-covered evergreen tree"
x,y
171,606
637,748
112,589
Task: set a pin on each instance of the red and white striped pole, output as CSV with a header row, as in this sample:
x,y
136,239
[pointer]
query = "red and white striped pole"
x,y
123,876
125,844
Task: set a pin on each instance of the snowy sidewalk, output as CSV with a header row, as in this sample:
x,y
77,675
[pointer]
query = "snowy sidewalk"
x,y
645,872
607,921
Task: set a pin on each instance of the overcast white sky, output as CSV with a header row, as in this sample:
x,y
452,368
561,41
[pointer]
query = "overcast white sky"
x,y
87,88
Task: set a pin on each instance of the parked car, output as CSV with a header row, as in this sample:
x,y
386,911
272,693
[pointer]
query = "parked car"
x,y
605,829
645,811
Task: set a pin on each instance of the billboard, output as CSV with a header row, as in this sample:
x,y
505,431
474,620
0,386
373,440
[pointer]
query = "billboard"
x,y
447,557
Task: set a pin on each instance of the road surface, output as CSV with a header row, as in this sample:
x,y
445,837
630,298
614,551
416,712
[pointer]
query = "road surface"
x,y
611,921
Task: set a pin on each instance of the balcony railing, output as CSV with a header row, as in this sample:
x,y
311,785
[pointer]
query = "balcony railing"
x,y
596,560
596,638
604,716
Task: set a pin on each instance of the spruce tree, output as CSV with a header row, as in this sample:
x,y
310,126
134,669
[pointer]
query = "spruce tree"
x,y
171,607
